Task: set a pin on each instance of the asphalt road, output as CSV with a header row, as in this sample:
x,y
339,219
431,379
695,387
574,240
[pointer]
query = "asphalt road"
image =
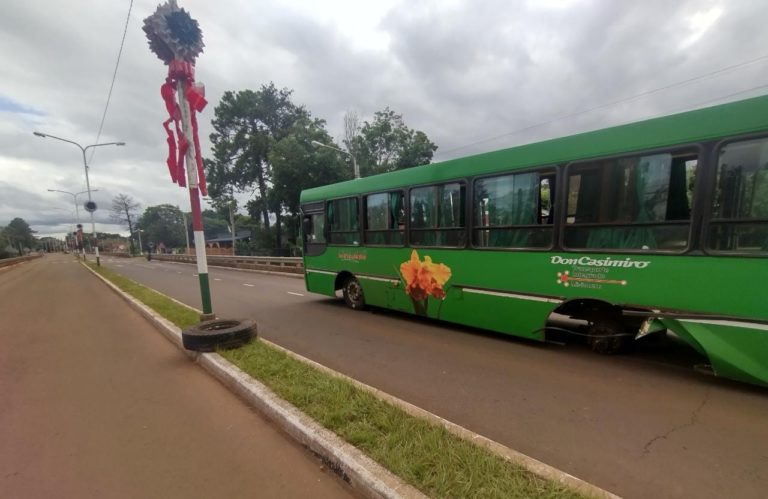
x,y
94,402
638,425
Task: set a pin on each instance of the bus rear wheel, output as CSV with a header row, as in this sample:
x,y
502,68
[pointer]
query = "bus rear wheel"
x,y
353,294
607,336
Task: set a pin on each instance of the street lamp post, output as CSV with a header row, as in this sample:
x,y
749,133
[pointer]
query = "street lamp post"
x,y
87,181
354,161
141,248
77,210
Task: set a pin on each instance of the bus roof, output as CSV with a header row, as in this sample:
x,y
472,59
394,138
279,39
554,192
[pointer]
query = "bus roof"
x,y
740,117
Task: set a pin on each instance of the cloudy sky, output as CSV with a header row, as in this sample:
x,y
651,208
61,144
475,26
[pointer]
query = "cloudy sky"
x,y
473,75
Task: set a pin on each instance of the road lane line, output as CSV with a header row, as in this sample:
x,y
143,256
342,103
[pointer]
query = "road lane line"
x,y
249,285
294,294
215,278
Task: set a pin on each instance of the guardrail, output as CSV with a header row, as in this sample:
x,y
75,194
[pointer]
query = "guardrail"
x,y
6,262
285,264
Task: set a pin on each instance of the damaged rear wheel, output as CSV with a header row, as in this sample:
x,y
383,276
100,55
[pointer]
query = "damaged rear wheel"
x,y
607,336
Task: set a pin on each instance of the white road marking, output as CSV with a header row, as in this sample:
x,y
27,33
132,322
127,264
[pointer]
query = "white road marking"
x,y
216,279
249,285
294,294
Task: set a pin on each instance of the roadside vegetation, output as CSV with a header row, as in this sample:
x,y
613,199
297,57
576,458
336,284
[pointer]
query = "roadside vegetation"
x,y
425,455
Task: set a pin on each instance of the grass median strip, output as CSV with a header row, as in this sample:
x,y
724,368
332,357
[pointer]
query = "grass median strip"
x,y
425,455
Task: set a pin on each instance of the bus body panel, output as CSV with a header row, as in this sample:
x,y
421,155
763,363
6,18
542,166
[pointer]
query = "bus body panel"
x,y
735,350
714,302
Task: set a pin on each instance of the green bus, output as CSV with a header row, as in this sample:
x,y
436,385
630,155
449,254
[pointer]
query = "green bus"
x,y
654,226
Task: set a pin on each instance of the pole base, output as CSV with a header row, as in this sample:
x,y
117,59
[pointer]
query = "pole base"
x,y
207,317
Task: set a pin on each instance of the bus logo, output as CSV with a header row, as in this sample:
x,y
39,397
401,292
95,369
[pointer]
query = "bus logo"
x,y
591,273
586,261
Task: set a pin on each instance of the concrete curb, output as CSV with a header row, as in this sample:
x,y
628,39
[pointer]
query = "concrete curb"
x,y
240,382
354,467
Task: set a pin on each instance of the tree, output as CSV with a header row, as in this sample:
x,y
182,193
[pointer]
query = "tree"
x,y
298,165
246,126
163,224
386,144
19,235
351,132
124,212
5,244
214,224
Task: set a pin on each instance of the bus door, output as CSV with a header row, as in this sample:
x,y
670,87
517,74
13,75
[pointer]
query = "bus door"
x,y
313,229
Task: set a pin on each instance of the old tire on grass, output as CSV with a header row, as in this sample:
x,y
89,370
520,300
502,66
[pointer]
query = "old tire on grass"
x,y
218,333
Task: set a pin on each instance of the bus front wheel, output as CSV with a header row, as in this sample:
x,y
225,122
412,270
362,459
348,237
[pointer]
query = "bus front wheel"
x,y
353,294
607,336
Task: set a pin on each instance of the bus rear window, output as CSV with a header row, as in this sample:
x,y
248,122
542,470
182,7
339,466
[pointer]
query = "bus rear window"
x,y
740,209
631,203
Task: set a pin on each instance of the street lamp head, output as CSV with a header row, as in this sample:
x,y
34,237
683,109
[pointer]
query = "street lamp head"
x,y
119,143
314,143
39,134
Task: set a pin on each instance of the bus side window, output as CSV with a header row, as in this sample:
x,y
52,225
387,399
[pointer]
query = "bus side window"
x,y
343,223
546,197
740,209
513,211
437,215
314,228
384,218
638,202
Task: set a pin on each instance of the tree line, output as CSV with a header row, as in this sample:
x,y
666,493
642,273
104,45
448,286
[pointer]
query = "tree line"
x,y
264,146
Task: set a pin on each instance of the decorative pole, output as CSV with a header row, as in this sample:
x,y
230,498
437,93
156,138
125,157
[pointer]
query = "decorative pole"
x,y
177,40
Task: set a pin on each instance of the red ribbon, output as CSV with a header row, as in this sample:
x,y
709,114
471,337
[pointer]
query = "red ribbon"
x,y
182,71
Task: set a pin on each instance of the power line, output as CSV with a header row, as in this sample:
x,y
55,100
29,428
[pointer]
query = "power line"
x,y
613,103
112,85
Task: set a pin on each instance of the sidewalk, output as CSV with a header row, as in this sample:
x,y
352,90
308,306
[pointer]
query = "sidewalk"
x,y
96,403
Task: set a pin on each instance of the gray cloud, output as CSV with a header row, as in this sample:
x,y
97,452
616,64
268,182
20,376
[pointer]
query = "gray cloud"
x,y
473,75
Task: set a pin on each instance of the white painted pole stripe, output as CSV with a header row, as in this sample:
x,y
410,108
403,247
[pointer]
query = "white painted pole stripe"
x,y
202,261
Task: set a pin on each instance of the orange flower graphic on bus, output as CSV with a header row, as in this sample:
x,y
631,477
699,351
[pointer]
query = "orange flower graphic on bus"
x,y
424,279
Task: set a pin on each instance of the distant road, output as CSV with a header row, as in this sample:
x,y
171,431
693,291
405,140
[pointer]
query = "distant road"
x,y
636,425
94,402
